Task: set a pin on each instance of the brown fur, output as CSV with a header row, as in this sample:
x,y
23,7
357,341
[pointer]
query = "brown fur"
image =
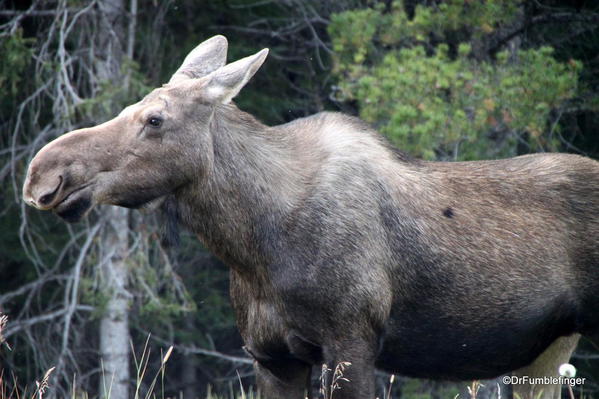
x,y
342,248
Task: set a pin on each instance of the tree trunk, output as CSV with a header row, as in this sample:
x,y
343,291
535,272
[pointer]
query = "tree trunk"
x,y
114,324
188,373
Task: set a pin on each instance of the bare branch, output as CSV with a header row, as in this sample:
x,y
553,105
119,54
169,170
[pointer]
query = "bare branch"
x,y
17,326
194,350
34,13
543,19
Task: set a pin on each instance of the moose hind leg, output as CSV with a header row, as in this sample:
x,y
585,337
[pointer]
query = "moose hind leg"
x,y
289,379
546,365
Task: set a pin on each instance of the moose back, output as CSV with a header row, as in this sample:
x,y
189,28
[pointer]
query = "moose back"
x,y
341,248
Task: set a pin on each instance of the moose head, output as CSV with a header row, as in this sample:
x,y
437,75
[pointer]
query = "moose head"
x,y
151,149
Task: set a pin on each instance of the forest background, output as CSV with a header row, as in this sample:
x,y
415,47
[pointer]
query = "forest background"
x,y
443,80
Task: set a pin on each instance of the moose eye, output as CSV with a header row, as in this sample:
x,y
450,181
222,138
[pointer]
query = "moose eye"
x,y
154,121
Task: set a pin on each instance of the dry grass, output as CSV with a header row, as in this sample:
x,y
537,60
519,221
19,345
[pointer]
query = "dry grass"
x,y
336,383
42,386
3,321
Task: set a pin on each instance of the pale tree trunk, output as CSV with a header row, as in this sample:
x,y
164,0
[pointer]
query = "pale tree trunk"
x,y
114,325
188,373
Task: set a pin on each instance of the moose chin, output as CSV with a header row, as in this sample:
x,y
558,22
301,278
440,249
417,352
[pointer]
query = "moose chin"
x,y
342,248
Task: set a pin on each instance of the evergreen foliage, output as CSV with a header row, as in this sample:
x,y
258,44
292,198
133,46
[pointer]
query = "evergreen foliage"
x,y
423,83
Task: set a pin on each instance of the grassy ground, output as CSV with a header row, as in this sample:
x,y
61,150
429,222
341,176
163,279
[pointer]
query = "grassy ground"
x,y
153,386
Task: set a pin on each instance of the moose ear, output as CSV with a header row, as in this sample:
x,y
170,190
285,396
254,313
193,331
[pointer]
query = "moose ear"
x,y
226,82
207,57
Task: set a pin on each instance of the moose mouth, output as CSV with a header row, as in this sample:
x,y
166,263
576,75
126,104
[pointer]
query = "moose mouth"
x,y
75,205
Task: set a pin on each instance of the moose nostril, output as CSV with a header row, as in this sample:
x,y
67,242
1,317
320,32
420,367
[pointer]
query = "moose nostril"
x,y
48,197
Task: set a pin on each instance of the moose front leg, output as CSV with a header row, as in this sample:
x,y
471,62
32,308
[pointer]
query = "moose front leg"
x,y
349,372
289,378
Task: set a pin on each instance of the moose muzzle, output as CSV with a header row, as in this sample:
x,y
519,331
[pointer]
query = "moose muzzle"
x,y
58,177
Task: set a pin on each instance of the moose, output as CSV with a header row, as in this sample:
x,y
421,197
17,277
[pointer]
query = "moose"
x,y
342,248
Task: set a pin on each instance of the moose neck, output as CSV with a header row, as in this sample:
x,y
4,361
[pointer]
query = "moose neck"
x,y
238,209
